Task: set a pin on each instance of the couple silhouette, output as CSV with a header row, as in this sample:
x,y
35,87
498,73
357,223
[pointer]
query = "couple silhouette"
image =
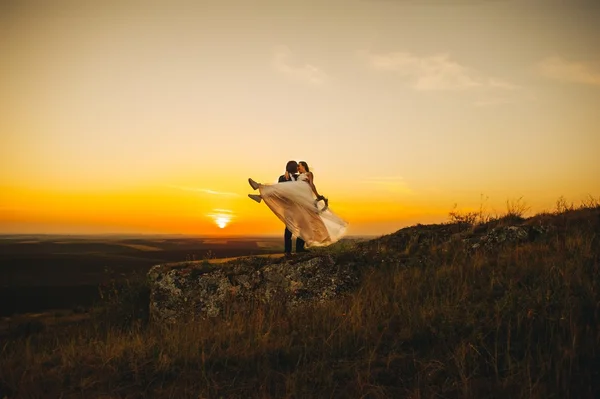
x,y
294,200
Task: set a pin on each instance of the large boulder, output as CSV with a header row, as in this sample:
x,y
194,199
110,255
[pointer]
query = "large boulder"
x,y
187,290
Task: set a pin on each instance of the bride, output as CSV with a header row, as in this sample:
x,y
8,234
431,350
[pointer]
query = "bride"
x,y
294,204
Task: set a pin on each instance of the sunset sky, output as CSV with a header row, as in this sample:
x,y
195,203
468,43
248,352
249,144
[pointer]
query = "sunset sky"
x,y
148,117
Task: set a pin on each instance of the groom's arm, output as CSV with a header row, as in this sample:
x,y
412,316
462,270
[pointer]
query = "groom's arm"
x,y
282,179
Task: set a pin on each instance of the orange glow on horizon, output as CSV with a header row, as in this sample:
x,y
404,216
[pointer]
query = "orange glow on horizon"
x,y
116,121
174,211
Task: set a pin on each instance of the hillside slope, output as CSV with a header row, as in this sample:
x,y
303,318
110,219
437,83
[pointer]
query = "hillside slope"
x,y
510,308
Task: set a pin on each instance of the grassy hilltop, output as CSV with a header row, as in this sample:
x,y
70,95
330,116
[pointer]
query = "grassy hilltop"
x,y
442,311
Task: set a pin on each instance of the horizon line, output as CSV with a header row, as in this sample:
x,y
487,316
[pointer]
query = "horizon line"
x,y
165,235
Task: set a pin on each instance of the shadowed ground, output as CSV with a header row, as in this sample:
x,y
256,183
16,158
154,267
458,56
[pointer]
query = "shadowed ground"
x,y
503,308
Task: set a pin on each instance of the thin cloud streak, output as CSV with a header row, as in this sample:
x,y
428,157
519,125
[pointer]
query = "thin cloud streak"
x,y
440,73
308,73
221,213
435,72
205,191
561,69
223,210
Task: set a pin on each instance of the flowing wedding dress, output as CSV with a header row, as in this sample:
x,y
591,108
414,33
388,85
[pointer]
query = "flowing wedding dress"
x,y
294,204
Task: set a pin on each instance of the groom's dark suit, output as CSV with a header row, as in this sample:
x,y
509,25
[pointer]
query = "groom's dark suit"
x,y
287,236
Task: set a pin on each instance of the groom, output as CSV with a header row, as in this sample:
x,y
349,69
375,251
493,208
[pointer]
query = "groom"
x,y
292,174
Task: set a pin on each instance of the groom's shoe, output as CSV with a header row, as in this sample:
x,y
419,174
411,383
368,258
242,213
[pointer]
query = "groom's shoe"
x,y
253,184
255,197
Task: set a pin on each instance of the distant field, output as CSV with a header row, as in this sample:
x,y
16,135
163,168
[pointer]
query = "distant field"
x,y
54,272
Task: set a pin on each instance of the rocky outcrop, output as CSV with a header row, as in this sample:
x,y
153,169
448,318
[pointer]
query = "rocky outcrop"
x,y
188,290
502,235
185,291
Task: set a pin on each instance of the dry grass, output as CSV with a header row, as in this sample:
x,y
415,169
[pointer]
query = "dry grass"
x,y
519,322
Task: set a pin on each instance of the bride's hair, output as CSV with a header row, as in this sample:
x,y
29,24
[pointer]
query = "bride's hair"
x,y
305,166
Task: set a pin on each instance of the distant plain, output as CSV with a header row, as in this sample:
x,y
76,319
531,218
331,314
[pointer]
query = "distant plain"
x,y
42,272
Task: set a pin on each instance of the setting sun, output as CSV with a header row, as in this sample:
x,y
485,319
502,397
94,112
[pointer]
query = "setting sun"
x,y
222,217
222,222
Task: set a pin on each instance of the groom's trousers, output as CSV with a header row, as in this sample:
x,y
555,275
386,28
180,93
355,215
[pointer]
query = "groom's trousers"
x,y
287,240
